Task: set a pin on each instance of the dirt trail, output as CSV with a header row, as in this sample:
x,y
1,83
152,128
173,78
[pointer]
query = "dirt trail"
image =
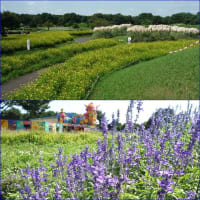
x,y
16,83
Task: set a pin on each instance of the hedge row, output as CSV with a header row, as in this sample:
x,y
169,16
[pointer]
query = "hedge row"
x,y
43,39
15,65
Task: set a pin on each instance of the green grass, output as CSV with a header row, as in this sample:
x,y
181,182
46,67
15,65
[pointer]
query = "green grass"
x,y
78,33
174,76
21,148
122,38
26,147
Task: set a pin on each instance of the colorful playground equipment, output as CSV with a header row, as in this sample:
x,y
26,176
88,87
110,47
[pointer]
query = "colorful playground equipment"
x,y
88,118
63,122
16,124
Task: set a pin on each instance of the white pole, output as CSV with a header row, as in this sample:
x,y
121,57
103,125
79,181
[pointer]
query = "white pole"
x,y
28,45
129,40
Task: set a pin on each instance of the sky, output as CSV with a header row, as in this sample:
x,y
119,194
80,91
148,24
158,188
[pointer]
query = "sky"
x,y
162,8
110,106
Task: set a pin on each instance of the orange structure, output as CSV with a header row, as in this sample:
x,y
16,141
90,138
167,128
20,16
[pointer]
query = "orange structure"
x,y
91,115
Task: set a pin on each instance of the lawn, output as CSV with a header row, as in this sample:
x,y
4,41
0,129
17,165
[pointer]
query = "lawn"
x,y
174,76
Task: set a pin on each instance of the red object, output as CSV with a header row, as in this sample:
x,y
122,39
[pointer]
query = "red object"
x,y
74,119
27,122
62,116
86,115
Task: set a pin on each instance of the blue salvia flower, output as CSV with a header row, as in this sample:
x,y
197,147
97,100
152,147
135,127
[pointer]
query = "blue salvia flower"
x,y
57,194
191,195
118,115
104,125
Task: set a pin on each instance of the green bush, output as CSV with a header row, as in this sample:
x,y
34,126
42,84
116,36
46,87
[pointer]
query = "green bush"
x,y
110,33
160,36
43,39
102,34
118,31
41,137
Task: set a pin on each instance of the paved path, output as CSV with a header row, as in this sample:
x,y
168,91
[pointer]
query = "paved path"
x,y
82,39
16,83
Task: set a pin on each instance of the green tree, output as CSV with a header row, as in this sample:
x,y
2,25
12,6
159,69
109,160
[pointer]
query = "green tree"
x,y
99,117
75,26
6,104
185,18
33,108
9,20
33,23
145,18
48,114
48,24
12,113
157,20
71,18
120,126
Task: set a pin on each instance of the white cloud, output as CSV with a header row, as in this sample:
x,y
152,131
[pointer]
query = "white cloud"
x,y
31,3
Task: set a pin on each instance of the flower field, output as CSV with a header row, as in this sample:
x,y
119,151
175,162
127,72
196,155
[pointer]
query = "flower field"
x,y
15,65
74,78
43,39
158,161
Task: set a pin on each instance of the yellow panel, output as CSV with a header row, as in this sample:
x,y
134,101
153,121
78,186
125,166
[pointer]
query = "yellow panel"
x,y
4,123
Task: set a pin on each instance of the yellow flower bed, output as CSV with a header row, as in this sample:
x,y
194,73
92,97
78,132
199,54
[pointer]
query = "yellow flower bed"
x,y
15,65
44,39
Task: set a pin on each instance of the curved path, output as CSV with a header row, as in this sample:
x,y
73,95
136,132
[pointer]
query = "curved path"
x,y
16,83
13,84
82,39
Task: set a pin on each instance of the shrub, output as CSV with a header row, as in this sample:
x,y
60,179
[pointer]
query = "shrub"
x,y
159,35
44,39
102,34
42,138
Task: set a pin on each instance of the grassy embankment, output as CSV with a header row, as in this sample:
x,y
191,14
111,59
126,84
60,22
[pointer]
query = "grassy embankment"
x,y
174,76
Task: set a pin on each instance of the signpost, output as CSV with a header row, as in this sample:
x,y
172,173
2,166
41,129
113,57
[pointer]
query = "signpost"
x,y
129,40
28,45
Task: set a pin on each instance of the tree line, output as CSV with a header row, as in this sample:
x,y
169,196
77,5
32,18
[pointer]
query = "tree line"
x,y
12,20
